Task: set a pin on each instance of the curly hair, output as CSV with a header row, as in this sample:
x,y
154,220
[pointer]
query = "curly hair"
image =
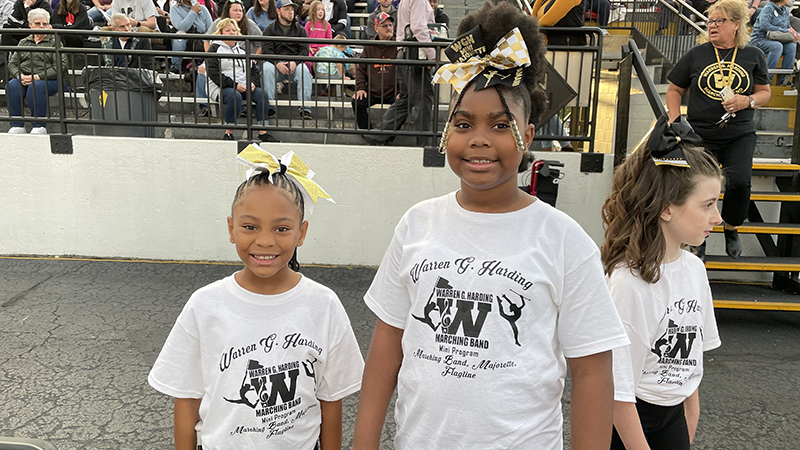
x,y
641,191
733,10
280,181
498,17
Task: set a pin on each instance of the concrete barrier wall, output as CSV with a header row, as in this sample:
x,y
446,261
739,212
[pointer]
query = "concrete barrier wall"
x,y
168,199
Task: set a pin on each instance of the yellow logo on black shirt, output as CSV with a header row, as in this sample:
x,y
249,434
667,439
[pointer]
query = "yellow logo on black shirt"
x,y
711,80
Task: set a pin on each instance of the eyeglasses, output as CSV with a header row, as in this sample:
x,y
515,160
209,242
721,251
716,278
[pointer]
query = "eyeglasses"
x,y
717,22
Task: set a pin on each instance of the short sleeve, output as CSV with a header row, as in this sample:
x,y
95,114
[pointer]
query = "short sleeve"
x,y
177,371
624,386
760,71
588,323
711,338
387,297
149,9
681,74
344,366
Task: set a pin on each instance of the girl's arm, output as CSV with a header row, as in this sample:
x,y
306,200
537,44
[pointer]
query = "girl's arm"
x,y
330,435
380,378
592,404
629,428
187,414
691,408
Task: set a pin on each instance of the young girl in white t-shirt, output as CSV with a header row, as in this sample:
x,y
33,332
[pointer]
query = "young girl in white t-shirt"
x,y
263,357
486,295
664,197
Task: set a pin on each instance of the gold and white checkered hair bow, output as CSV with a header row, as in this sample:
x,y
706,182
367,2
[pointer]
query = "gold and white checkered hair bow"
x,y
505,63
260,160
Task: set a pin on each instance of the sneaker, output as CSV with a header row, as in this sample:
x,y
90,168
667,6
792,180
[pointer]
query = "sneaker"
x,y
38,130
306,115
175,70
204,111
16,130
228,137
279,88
266,137
271,113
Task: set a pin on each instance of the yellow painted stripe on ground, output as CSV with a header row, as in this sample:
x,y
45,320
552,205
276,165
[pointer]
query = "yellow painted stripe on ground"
x,y
768,166
763,306
767,267
761,229
776,197
157,261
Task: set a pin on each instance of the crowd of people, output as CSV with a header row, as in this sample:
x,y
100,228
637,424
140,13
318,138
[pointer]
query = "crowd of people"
x,y
326,20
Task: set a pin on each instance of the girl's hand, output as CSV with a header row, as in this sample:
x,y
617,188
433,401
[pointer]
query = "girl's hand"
x,y
737,103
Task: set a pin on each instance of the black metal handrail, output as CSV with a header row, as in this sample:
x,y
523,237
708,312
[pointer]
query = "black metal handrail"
x,y
67,116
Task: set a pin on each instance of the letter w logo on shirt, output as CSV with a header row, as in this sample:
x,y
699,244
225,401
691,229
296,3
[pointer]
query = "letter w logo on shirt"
x,y
463,318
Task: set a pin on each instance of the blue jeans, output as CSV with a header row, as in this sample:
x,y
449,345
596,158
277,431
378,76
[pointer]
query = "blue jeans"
x,y
35,94
178,45
301,77
96,15
774,49
232,103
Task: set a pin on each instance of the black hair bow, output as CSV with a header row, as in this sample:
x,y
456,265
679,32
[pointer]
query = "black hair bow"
x,y
665,139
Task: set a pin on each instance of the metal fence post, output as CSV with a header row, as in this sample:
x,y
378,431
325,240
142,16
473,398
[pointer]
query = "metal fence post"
x,y
623,109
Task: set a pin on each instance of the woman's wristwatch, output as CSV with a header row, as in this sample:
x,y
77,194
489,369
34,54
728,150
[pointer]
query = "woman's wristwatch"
x,y
752,102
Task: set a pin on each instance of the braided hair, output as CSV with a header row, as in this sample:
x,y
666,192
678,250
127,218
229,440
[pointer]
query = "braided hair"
x,y
496,18
281,181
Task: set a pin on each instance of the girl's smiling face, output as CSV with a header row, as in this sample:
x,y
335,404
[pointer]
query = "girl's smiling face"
x,y
481,148
266,227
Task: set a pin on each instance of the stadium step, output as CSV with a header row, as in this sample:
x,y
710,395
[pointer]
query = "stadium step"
x,y
779,241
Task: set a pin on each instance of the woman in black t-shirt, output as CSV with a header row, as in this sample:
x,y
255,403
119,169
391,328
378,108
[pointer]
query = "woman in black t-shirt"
x,y
727,80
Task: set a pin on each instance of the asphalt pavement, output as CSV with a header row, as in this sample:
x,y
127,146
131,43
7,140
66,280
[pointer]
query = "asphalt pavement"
x,y
78,337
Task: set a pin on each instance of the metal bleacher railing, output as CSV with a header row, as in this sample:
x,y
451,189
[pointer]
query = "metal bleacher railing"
x,y
173,104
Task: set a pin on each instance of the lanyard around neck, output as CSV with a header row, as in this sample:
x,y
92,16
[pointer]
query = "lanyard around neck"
x,y
726,81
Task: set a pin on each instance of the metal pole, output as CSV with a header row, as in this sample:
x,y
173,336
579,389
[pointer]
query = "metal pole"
x,y
623,109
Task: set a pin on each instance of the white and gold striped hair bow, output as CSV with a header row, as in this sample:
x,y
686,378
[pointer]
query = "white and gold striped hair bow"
x,y
505,62
259,160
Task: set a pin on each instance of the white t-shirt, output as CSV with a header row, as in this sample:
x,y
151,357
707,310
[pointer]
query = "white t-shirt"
x,y
670,324
134,9
260,363
490,305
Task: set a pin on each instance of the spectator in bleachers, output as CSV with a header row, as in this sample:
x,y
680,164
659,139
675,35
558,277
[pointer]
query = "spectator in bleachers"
x,y
338,16
141,12
438,14
384,6
335,71
247,4
188,17
121,23
19,19
775,17
71,15
317,27
263,13
560,13
33,75
375,83
235,9
228,80
287,26
415,97
96,12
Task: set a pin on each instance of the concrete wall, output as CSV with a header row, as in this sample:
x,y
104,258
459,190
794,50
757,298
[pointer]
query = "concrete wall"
x,y
168,199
